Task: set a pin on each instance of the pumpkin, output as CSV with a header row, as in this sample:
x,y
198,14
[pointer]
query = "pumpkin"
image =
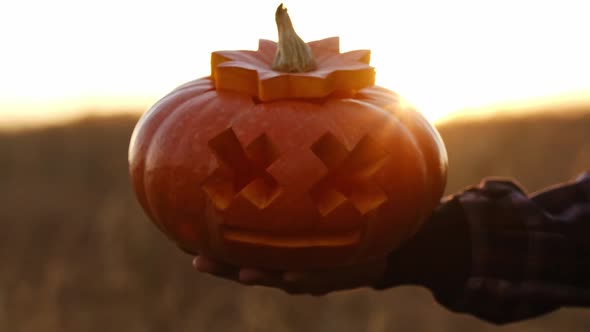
x,y
288,157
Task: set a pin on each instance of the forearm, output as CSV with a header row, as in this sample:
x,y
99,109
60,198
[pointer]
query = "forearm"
x,y
493,252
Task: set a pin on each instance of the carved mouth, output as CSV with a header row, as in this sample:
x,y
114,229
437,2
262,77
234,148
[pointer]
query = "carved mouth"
x,y
291,240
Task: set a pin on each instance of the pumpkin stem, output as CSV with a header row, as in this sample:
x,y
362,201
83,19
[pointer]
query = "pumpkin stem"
x,y
293,54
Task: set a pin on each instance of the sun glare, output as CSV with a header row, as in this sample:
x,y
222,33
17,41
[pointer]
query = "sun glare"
x,y
69,57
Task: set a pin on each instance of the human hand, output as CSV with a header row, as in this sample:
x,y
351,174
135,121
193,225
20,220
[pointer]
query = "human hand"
x,y
314,282
438,256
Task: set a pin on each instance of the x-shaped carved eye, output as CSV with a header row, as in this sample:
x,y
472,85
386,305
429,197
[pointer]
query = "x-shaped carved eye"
x,y
349,174
242,171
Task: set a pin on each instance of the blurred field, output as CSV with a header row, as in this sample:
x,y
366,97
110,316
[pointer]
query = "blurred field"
x,y
78,254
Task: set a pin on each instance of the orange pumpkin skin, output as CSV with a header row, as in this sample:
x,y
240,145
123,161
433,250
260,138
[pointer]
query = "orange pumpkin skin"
x,y
288,183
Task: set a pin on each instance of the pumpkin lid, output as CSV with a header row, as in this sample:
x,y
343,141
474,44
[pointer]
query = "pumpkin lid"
x,y
292,69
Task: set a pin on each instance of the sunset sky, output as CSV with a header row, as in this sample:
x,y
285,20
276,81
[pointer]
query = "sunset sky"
x,y
60,58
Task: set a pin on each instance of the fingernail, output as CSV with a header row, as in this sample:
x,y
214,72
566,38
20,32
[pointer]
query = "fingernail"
x,y
202,265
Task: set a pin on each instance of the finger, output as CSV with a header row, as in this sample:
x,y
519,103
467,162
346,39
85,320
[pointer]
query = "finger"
x,y
218,268
202,264
291,277
252,276
321,282
299,283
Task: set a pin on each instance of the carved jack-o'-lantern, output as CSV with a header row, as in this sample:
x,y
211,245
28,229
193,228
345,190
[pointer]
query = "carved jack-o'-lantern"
x,y
288,157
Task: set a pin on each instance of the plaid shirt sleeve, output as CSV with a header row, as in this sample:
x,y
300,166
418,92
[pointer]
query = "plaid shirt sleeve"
x,y
496,253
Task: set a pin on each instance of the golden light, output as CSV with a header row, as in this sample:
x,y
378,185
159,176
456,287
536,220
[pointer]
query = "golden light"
x,y
68,57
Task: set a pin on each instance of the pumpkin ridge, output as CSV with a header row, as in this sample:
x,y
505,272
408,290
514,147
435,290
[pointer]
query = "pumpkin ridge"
x,y
162,109
170,117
